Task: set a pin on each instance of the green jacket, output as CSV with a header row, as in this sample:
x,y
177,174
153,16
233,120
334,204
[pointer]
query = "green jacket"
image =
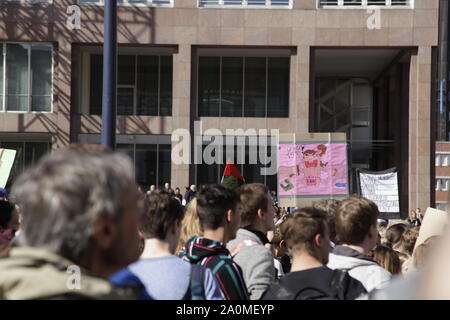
x,y
28,274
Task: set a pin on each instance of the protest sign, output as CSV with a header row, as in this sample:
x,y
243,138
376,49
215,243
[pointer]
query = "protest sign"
x,y
434,224
6,162
312,167
382,188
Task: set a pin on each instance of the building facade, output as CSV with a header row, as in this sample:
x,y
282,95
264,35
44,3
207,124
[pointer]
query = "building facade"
x,y
295,65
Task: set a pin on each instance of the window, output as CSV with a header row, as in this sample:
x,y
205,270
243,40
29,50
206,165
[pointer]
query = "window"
x,y
152,162
144,85
246,3
443,184
442,159
243,87
365,3
153,3
251,171
28,154
26,80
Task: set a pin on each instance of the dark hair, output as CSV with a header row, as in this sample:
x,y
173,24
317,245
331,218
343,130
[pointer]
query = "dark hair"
x,y
300,228
212,203
388,259
394,234
329,206
354,217
6,210
161,211
252,197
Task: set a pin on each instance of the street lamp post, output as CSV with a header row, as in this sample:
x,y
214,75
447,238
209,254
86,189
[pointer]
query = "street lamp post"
x,y
108,137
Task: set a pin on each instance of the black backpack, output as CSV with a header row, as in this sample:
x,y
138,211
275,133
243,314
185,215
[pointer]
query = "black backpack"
x,y
337,289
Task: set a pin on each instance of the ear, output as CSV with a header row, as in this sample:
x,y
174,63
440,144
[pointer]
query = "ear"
x,y
318,240
104,232
282,244
260,214
229,215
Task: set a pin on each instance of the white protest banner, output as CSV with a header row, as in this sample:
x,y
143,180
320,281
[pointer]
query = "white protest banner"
x,y
6,162
382,188
434,224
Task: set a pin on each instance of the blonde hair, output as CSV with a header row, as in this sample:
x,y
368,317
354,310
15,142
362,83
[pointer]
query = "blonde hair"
x,y
388,259
190,225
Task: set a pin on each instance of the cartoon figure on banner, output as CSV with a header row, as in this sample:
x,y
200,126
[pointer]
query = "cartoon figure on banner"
x,y
312,165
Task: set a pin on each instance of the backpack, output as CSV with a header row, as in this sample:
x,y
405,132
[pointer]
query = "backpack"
x,y
339,284
196,289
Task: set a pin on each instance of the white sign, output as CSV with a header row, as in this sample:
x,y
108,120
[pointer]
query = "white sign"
x,y
381,189
6,162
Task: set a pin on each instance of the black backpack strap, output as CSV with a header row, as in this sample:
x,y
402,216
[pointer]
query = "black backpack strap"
x,y
339,283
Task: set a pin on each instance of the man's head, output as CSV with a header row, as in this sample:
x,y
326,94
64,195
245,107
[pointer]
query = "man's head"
x,y
177,191
152,188
256,207
83,206
329,206
161,218
193,188
356,222
305,231
216,209
167,185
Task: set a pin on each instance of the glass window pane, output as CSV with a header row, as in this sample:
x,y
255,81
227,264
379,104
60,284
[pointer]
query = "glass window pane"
x,y
166,76
96,84
17,77
255,87
41,71
164,163
126,68
278,88
146,165
207,173
147,86
125,101
34,151
208,86
232,69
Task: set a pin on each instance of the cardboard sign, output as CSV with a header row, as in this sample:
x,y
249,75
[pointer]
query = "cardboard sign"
x,y
6,162
311,167
434,224
382,188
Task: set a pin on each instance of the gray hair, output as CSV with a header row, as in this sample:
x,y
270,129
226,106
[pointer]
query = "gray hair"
x,y
62,197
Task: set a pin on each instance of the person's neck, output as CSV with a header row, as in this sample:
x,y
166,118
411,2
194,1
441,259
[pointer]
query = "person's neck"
x,y
155,248
216,235
362,248
304,261
257,227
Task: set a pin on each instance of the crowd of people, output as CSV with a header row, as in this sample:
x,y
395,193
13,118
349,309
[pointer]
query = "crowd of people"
x,y
76,226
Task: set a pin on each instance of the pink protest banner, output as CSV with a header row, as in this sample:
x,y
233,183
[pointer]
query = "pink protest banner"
x,y
310,169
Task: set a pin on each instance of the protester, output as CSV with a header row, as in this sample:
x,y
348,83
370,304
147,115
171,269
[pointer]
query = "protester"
x,y
3,195
9,224
280,252
306,234
178,195
394,234
79,211
256,210
356,230
151,190
216,210
165,276
388,259
168,189
407,242
190,226
382,225
191,193
329,206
